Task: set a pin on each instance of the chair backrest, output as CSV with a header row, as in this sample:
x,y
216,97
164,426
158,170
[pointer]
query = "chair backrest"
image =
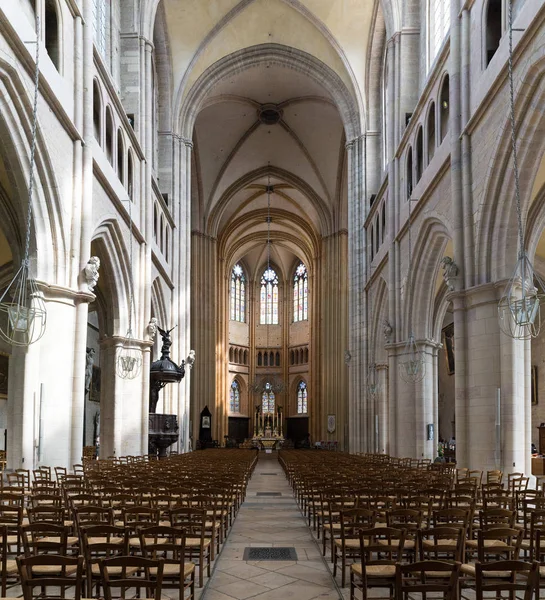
x,y
414,578
520,576
44,512
193,520
44,538
491,518
50,571
499,543
164,542
132,572
88,515
381,545
437,543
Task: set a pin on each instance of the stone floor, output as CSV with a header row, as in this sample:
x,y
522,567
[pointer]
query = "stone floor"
x,y
270,521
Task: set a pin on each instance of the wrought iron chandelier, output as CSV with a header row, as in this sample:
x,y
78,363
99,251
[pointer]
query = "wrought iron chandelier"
x,y
129,357
23,314
412,366
270,381
519,308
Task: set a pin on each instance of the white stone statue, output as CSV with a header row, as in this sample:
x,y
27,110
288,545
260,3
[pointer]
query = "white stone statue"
x,y
152,328
190,360
450,272
91,272
347,357
89,362
387,330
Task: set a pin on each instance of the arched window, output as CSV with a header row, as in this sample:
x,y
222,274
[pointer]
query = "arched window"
x,y
238,294
444,110
409,172
234,399
419,154
97,112
52,33
300,294
431,132
162,234
166,244
120,157
302,399
377,234
385,124
383,221
372,242
269,298
267,400
109,136
493,28
438,27
155,222
100,25
130,175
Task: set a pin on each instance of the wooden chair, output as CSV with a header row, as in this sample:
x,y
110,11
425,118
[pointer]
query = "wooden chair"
x,y
45,571
517,576
348,545
8,567
193,522
380,549
169,544
430,576
132,572
45,538
100,542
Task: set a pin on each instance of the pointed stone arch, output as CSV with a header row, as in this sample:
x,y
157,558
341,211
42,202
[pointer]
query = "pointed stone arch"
x,y
497,247
108,244
426,262
278,54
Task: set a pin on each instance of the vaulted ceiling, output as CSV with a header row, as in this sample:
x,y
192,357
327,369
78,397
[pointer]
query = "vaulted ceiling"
x,y
298,147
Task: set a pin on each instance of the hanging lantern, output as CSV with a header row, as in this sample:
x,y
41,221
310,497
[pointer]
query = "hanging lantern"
x,y
129,358
519,309
23,314
412,367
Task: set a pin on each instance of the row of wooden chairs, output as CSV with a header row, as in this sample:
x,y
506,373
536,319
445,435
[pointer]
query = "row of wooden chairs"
x,y
98,514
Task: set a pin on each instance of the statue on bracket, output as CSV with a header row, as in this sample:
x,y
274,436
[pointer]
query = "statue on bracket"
x,y
190,360
450,272
153,325
387,330
89,362
91,272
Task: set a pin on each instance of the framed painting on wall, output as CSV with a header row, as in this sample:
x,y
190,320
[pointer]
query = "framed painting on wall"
x,y
94,388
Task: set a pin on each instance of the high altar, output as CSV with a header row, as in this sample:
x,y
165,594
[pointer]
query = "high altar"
x,y
268,431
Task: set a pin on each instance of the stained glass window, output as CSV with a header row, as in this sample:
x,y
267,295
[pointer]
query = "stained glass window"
x,y
302,399
238,294
300,294
269,298
234,400
267,399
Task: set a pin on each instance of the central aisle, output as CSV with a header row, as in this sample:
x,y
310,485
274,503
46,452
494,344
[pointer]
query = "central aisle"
x,y
270,521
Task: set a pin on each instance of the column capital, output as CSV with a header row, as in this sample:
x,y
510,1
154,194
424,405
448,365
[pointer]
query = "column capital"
x,y
187,142
353,141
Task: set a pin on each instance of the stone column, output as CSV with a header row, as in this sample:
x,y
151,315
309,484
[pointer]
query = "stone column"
x,y
203,389
356,297
494,361
334,339
383,410
183,291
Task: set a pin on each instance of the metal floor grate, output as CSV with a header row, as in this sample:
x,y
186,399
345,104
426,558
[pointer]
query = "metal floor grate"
x,y
270,554
267,473
269,494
